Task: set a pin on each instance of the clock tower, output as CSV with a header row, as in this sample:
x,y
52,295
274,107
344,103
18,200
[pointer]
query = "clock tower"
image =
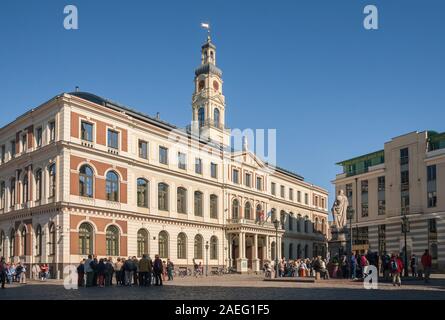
x,y
208,101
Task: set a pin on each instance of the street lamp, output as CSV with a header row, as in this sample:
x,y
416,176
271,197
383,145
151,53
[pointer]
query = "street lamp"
x,y
276,224
405,230
207,258
350,215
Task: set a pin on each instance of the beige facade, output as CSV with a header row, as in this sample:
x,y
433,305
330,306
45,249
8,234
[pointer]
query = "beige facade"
x,y
80,175
407,178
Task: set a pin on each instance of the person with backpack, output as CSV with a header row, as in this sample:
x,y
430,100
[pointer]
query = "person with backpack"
x,y
143,271
128,270
109,270
396,269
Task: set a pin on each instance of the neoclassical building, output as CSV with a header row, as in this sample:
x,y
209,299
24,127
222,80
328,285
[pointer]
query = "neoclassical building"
x,y
82,175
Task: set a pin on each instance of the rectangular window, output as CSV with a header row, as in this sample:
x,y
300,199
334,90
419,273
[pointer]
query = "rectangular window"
x,y
13,151
39,137
182,162
235,176
404,180
259,183
198,166
299,196
364,195
291,194
382,238
113,139
3,155
306,198
24,143
381,195
432,186
404,156
52,131
323,205
247,180
163,155
86,131
273,188
214,170
282,191
143,149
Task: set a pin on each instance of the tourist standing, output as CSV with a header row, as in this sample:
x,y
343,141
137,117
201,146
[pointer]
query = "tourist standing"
x,y
170,269
143,271
118,269
81,273
109,270
158,269
427,264
100,269
150,271
88,270
2,272
353,267
396,270
128,269
413,264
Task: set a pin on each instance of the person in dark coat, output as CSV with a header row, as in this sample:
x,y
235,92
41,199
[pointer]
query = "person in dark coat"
x,y
100,269
158,269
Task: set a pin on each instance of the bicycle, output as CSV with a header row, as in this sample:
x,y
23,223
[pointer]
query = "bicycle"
x,y
184,273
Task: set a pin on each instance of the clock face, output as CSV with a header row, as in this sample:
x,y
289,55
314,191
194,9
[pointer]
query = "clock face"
x,y
216,85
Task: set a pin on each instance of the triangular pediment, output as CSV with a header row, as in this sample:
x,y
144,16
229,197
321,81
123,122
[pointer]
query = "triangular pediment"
x,y
248,158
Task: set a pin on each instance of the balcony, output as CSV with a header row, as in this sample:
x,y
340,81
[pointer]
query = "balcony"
x,y
251,222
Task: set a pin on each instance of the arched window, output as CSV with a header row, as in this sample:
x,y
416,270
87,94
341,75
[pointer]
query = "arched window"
x,y
85,239
298,251
198,203
25,189
315,229
323,226
315,251
39,240
112,241
52,180
299,223
291,250
182,246
163,244
273,251
216,117
235,209
39,185
2,195
86,176
52,239
163,196
306,224
274,214
306,251
258,213
198,247
2,244
282,217
181,199
213,206
23,242
291,221
248,211
142,242
112,186
142,193
201,116
213,248
12,193
12,244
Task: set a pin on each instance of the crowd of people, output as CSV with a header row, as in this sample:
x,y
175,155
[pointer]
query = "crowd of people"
x,y
94,272
390,267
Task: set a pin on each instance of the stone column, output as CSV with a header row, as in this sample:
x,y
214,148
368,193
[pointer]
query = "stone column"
x,y
241,264
255,261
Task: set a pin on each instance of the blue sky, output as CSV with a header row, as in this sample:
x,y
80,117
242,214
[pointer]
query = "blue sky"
x,y
308,68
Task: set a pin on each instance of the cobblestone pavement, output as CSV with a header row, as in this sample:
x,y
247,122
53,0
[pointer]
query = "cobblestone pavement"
x,y
231,287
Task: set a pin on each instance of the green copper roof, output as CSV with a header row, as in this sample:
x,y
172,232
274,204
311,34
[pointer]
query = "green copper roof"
x,y
359,165
436,140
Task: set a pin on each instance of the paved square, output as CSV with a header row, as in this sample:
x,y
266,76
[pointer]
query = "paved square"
x,y
231,287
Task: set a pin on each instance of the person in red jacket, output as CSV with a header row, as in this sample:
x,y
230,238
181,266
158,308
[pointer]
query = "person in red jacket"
x,y
396,265
427,264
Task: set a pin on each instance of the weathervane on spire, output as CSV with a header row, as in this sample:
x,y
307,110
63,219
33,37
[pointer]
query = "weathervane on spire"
x,y
206,25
